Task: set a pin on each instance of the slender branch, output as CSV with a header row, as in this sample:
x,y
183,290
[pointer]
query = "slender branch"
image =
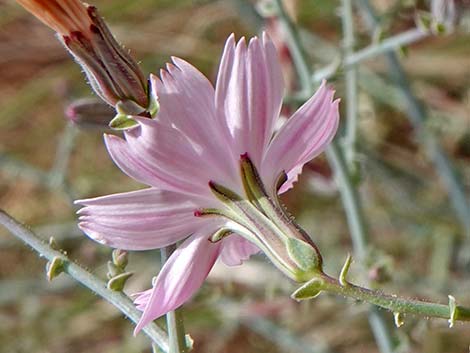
x,y
174,319
350,76
118,299
351,203
417,115
395,97
360,239
371,51
385,46
297,52
349,196
394,303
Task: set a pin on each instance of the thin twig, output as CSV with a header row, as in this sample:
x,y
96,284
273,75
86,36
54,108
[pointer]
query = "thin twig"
x,y
387,45
350,77
417,115
394,303
118,299
351,202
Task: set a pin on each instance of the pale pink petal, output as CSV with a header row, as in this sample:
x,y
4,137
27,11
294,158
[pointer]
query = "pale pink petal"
x,y
187,104
223,76
181,276
171,156
140,220
236,249
142,298
305,135
249,92
147,171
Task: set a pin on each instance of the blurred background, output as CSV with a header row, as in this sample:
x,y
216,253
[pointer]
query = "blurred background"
x,y
419,235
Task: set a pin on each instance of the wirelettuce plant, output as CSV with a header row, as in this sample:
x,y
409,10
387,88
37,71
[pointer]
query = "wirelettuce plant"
x,y
215,163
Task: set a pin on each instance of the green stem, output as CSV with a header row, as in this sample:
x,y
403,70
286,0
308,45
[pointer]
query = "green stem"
x,y
174,319
118,299
393,303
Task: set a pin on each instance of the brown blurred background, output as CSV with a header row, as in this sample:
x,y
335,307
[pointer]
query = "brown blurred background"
x,y
418,247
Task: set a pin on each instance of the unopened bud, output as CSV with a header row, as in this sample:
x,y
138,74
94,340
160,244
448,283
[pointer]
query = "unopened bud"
x,y
117,283
90,112
54,268
111,71
120,258
309,290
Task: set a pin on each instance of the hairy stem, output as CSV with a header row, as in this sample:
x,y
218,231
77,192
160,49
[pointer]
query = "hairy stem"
x,y
394,303
118,299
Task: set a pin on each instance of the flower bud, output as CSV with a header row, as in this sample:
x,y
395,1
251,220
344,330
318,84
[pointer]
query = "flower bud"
x,y
110,70
89,112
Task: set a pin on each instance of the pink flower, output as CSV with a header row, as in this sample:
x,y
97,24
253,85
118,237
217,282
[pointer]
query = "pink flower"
x,y
190,155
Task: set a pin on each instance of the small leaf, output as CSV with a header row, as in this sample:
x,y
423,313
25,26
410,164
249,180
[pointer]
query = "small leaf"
x,y
220,234
303,254
53,244
128,107
122,122
113,270
424,20
189,342
54,268
117,283
120,258
309,290
398,318
439,28
154,106
344,271
453,311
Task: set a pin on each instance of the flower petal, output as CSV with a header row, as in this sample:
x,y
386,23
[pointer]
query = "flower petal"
x,y
249,92
139,220
186,101
236,249
172,156
146,170
181,276
305,135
